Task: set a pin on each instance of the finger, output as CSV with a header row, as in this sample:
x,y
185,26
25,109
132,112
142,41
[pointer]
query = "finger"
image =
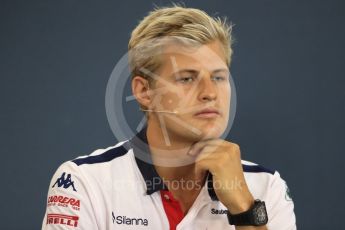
x,y
197,147
204,165
200,167
232,154
208,152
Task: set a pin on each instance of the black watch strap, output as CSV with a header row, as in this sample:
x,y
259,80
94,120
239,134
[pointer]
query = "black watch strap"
x,y
255,216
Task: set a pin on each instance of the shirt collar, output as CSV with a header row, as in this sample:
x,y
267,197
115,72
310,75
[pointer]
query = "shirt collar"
x,y
143,159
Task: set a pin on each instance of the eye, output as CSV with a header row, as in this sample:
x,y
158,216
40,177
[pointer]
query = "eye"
x,y
187,79
218,78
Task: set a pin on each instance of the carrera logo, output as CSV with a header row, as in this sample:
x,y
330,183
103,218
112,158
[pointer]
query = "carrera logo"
x,y
64,201
220,211
62,219
129,220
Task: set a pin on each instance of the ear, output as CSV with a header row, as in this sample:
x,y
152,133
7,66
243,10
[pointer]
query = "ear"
x,y
141,91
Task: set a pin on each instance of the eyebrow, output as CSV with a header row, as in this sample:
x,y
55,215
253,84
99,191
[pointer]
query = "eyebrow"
x,y
193,71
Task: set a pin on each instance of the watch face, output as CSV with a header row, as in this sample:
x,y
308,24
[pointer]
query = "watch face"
x,y
260,214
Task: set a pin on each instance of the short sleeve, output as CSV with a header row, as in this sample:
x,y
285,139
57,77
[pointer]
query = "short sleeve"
x,y
69,203
279,205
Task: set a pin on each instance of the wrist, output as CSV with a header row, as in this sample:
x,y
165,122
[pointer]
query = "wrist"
x,y
241,204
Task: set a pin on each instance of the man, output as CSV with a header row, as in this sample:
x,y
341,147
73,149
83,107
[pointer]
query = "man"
x,y
176,173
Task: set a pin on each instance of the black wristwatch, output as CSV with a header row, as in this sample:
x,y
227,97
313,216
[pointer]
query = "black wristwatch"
x,y
255,216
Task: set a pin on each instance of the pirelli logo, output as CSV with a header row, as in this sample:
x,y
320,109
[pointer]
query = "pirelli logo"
x,y
62,219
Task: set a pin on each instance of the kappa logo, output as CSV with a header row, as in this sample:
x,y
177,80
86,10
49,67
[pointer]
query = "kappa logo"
x,y
129,220
71,221
65,181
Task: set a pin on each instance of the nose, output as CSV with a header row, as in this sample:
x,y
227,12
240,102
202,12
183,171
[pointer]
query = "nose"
x,y
208,90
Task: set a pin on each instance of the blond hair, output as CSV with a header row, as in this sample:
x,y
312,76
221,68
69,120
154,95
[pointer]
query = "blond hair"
x,y
176,21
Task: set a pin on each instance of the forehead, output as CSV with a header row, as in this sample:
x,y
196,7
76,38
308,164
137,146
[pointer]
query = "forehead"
x,y
209,57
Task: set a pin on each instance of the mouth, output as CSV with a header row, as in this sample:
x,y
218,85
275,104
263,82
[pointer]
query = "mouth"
x,y
207,113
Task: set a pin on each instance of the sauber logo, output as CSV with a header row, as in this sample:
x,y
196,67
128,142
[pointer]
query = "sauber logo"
x,y
65,181
219,211
129,220
64,201
62,219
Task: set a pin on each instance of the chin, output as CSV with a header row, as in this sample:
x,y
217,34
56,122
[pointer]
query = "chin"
x,y
208,132
210,135
202,130
212,129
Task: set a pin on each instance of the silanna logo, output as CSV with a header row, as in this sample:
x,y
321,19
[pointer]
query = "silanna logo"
x,y
65,181
129,220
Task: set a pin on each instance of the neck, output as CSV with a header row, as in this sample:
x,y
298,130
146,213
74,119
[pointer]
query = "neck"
x,y
170,156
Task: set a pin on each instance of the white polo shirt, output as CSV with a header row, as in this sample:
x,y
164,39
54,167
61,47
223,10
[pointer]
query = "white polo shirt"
x,y
113,189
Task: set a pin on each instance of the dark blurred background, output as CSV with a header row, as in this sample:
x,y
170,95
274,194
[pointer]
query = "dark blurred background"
x,y
289,56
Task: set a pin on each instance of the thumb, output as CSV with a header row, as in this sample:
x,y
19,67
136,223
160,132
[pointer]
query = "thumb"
x,y
199,168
